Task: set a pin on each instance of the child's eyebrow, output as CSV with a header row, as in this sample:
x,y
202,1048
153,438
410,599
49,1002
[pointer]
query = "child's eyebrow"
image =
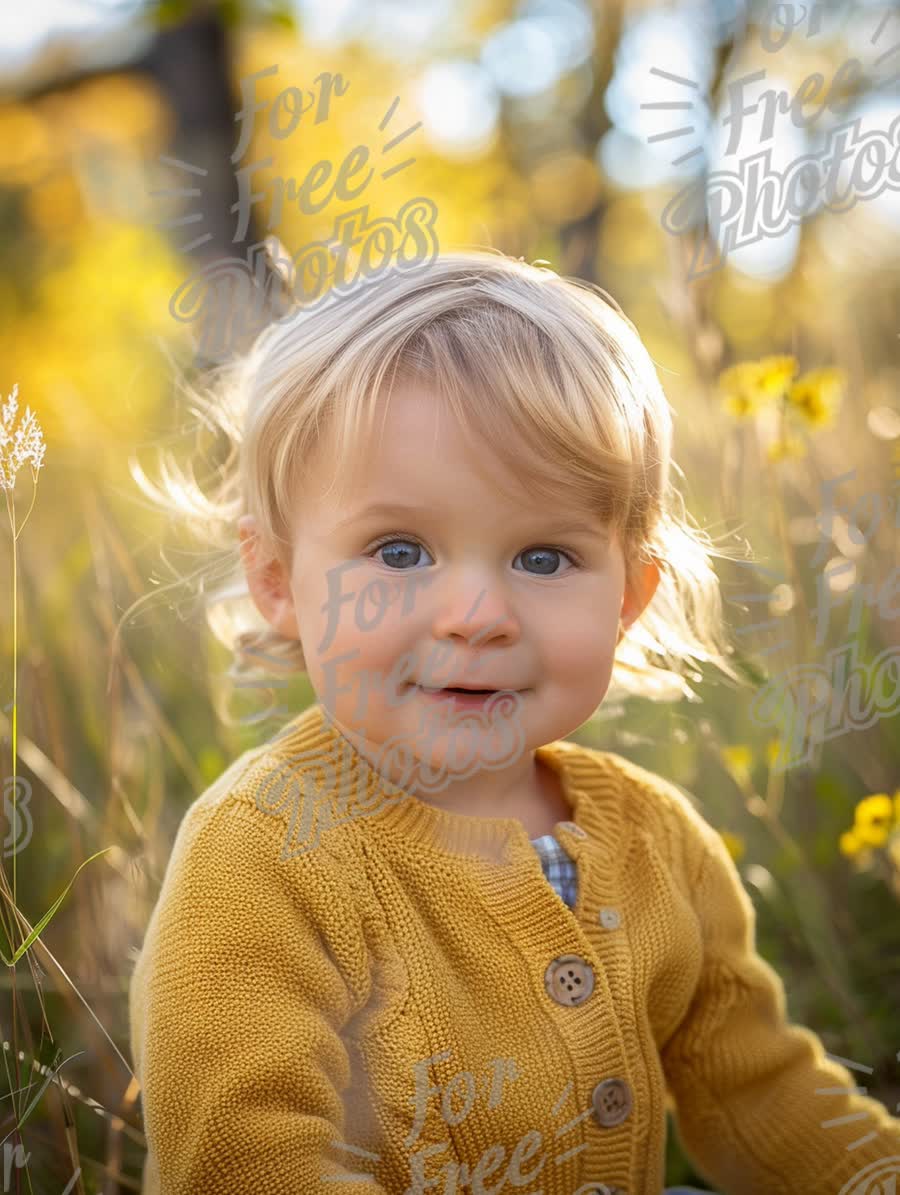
x,y
387,509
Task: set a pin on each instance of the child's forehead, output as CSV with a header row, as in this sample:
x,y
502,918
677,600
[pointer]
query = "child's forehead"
x,y
416,439
418,409
421,499
447,479
450,455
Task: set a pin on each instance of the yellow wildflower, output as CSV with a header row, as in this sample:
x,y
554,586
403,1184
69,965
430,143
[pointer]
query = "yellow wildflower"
x,y
751,385
874,819
773,751
734,844
816,395
850,844
738,760
741,392
775,374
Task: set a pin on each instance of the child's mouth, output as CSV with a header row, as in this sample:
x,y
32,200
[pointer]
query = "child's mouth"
x,y
464,697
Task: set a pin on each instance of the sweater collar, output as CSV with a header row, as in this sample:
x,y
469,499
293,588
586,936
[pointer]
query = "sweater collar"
x,y
312,743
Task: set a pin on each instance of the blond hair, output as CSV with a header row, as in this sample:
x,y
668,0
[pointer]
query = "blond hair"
x,y
508,345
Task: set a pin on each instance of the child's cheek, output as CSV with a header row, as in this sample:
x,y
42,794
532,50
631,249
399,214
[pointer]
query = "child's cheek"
x,y
365,631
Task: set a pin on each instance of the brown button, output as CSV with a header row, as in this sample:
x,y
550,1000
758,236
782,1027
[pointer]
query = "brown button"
x,y
612,1102
569,979
573,829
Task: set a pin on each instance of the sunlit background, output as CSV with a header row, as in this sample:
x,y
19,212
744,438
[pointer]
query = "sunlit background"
x,y
583,135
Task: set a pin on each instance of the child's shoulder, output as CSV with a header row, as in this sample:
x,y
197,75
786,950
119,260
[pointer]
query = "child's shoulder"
x,y
229,795
231,785
647,801
249,810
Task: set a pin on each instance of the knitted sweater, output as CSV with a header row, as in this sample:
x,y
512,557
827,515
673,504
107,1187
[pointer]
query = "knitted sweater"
x,y
382,996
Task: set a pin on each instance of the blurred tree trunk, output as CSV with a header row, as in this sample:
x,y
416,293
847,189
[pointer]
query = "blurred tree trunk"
x,y
193,65
579,240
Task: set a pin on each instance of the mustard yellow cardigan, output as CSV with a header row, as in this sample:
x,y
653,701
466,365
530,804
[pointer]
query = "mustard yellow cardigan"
x,y
343,988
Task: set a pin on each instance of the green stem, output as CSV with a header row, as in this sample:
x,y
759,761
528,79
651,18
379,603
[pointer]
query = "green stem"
x,y
15,675
11,509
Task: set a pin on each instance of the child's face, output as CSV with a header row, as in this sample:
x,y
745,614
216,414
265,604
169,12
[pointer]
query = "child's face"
x,y
474,587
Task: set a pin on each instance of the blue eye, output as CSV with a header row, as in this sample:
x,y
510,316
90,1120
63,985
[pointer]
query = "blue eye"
x,y
400,552
398,560
550,555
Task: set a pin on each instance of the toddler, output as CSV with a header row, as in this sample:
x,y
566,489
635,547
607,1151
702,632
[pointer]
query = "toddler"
x,y
419,940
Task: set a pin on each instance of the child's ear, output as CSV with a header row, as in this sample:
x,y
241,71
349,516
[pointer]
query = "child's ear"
x,y
639,593
267,580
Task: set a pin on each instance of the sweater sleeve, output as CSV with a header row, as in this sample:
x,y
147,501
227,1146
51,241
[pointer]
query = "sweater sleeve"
x,y
758,1106
237,1002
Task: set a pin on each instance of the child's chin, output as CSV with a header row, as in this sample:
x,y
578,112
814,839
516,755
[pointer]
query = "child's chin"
x,y
458,752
